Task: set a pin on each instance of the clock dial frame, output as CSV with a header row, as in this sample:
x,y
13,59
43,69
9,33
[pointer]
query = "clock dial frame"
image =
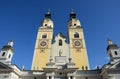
x,y
43,44
77,43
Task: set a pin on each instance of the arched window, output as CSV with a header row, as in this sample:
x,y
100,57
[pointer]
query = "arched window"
x,y
76,35
45,24
3,54
9,55
74,24
60,42
116,53
44,36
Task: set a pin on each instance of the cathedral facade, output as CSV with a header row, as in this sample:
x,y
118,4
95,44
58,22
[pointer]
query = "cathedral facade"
x,y
59,58
57,50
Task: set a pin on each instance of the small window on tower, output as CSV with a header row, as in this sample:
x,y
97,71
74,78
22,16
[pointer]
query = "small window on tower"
x,y
3,54
76,35
45,24
116,53
74,24
60,42
44,36
9,55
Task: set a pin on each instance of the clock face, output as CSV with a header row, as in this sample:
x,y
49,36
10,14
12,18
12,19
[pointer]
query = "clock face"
x,y
43,43
77,43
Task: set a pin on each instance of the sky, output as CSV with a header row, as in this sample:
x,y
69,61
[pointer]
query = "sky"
x,y
20,20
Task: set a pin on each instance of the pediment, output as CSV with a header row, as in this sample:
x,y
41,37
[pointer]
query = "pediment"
x,y
60,36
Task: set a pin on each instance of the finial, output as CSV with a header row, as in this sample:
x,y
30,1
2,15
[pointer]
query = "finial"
x,y
109,41
48,11
23,67
72,14
11,43
48,15
72,11
98,67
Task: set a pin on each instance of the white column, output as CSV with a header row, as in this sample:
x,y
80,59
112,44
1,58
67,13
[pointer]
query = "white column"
x,y
47,77
52,77
68,77
74,77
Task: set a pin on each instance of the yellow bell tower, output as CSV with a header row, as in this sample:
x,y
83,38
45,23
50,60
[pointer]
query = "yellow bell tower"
x,y
77,46
43,43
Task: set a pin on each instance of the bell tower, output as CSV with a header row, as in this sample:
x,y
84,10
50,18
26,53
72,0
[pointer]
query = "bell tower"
x,y
43,43
6,53
77,45
113,52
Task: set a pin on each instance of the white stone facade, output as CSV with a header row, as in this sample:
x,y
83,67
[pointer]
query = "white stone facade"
x,y
58,50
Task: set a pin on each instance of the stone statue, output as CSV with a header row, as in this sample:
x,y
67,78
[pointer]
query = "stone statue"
x,y
60,52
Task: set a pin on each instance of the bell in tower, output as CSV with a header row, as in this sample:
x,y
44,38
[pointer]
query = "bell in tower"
x,y
73,22
47,22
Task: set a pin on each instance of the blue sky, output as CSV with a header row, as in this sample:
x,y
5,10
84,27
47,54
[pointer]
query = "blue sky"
x,y
20,19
